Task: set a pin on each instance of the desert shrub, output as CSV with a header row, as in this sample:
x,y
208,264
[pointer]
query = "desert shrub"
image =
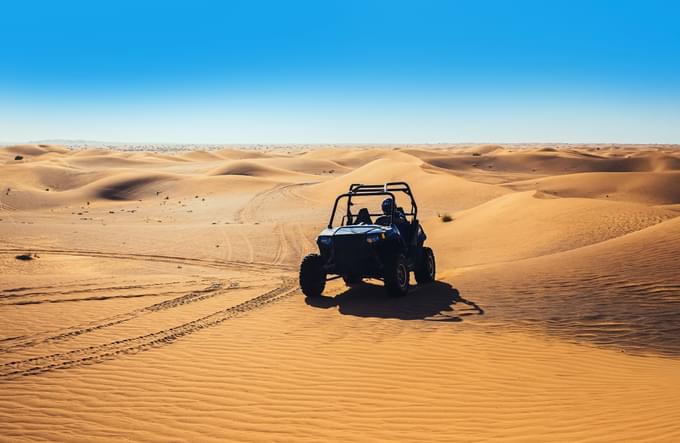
x,y
446,217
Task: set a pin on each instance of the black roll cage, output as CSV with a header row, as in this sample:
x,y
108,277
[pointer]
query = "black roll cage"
x,y
357,189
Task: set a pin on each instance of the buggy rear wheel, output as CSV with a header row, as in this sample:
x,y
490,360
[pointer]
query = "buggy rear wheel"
x,y
425,273
312,276
396,276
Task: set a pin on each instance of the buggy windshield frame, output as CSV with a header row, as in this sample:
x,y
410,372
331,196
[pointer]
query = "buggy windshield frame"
x,y
388,189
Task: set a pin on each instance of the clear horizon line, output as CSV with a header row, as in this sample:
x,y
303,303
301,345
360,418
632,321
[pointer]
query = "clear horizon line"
x,y
323,143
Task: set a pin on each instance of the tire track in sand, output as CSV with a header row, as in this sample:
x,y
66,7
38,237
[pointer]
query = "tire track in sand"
x,y
282,247
119,348
229,250
247,214
84,288
212,263
308,246
16,343
251,250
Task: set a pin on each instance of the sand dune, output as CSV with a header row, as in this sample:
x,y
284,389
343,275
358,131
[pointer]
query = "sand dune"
x,y
623,292
499,166
259,169
524,226
659,188
436,190
157,299
32,150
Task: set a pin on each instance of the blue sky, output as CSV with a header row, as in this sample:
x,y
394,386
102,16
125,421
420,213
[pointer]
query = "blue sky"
x,y
341,71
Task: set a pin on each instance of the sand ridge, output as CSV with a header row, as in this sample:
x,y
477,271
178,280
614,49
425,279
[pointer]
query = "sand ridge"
x,y
160,300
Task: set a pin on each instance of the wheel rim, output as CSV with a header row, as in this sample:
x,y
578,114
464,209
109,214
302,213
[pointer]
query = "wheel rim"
x,y
401,275
430,265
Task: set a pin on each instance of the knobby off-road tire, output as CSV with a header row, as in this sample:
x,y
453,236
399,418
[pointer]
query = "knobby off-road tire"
x,y
312,276
426,271
396,276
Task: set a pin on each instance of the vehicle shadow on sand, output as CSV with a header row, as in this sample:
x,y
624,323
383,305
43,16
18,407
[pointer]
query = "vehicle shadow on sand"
x,y
437,301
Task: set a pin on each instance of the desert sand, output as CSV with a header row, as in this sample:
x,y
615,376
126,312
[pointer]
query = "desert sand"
x,y
158,298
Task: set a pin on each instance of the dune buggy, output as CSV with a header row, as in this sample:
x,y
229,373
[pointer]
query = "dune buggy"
x,y
385,245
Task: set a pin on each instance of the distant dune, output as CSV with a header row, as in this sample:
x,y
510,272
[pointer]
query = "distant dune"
x,y
157,296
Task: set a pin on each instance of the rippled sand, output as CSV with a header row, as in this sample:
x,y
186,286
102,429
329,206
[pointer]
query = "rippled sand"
x,y
160,300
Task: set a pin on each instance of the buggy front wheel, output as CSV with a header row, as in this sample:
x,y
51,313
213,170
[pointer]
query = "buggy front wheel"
x,y
312,276
425,272
396,276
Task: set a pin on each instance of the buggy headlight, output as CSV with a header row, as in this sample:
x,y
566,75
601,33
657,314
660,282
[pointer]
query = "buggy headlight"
x,y
324,240
375,237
